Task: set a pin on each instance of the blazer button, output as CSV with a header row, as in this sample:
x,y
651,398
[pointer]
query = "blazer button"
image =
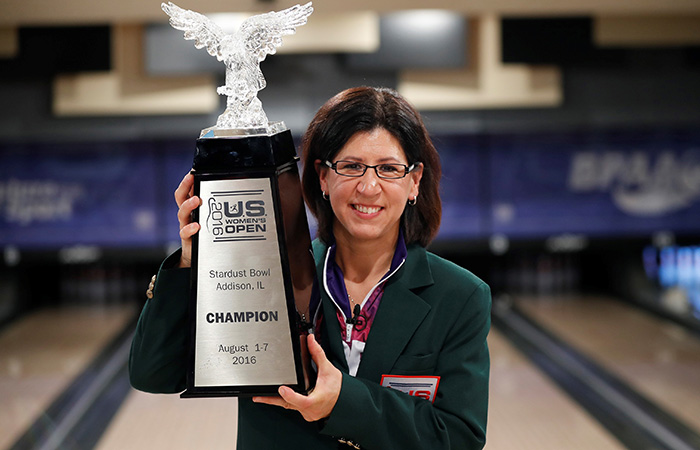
x,y
345,443
152,284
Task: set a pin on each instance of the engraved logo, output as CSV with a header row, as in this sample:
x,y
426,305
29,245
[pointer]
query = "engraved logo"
x,y
237,216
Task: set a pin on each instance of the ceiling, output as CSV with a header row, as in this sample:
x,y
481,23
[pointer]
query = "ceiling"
x,y
488,80
80,12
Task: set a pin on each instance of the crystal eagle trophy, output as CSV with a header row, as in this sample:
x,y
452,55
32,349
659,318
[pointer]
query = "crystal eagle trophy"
x,y
252,267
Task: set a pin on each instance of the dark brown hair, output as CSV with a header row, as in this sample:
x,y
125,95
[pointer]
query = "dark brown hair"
x,y
364,109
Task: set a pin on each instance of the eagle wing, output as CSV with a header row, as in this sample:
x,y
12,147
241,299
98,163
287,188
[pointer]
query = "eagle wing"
x,y
197,27
263,33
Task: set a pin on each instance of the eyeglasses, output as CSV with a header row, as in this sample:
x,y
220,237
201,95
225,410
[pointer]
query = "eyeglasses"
x,y
357,169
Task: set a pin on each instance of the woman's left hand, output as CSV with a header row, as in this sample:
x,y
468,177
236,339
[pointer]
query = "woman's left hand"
x,y
319,403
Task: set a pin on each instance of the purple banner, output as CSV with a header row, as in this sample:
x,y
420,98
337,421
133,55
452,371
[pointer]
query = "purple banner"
x,y
461,187
524,186
79,194
177,163
595,183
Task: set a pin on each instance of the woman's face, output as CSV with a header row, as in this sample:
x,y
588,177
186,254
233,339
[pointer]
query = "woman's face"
x,y
369,208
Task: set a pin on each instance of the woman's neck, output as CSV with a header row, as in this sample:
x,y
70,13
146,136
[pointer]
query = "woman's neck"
x,y
364,261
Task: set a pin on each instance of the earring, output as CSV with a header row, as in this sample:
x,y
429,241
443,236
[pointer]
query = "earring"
x,y
413,201
324,195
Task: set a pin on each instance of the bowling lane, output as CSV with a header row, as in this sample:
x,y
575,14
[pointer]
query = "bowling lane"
x,y
41,354
658,358
528,411
157,421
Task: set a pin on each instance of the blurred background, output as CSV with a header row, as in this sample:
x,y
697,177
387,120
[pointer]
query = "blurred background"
x,y
569,134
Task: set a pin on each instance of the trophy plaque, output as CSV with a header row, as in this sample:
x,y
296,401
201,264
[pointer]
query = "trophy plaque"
x,y
252,266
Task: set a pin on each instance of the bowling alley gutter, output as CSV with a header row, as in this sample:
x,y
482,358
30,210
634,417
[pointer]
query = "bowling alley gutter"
x,y
633,419
79,416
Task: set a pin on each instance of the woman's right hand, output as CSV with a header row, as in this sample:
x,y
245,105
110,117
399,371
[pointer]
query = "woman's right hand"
x,y
186,202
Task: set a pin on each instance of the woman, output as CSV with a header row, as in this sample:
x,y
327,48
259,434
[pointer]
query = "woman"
x,y
389,311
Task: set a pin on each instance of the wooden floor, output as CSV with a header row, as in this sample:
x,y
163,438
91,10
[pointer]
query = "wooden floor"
x,y
658,358
151,421
42,353
526,412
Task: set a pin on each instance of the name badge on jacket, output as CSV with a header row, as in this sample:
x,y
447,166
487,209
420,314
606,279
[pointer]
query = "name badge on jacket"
x,y
416,386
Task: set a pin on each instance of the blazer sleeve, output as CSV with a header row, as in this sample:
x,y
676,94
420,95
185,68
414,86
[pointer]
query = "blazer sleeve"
x,y
381,418
159,349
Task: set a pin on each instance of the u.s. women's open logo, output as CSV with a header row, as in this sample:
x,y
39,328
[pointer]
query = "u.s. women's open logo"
x,y
237,216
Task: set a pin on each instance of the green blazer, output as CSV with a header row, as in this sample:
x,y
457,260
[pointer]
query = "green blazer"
x,y
433,320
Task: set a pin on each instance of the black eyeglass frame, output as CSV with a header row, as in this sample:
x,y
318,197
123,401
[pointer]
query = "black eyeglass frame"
x,y
407,169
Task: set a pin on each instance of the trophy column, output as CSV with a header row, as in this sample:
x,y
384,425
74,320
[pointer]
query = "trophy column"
x,y
252,268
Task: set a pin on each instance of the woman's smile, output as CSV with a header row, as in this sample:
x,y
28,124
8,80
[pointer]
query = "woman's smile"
x,y
367,209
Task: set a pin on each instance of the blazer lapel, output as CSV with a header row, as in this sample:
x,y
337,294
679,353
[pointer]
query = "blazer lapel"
x,y
330,328
400,313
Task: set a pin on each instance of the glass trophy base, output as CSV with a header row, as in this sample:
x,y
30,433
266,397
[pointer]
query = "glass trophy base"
x,y
214,132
